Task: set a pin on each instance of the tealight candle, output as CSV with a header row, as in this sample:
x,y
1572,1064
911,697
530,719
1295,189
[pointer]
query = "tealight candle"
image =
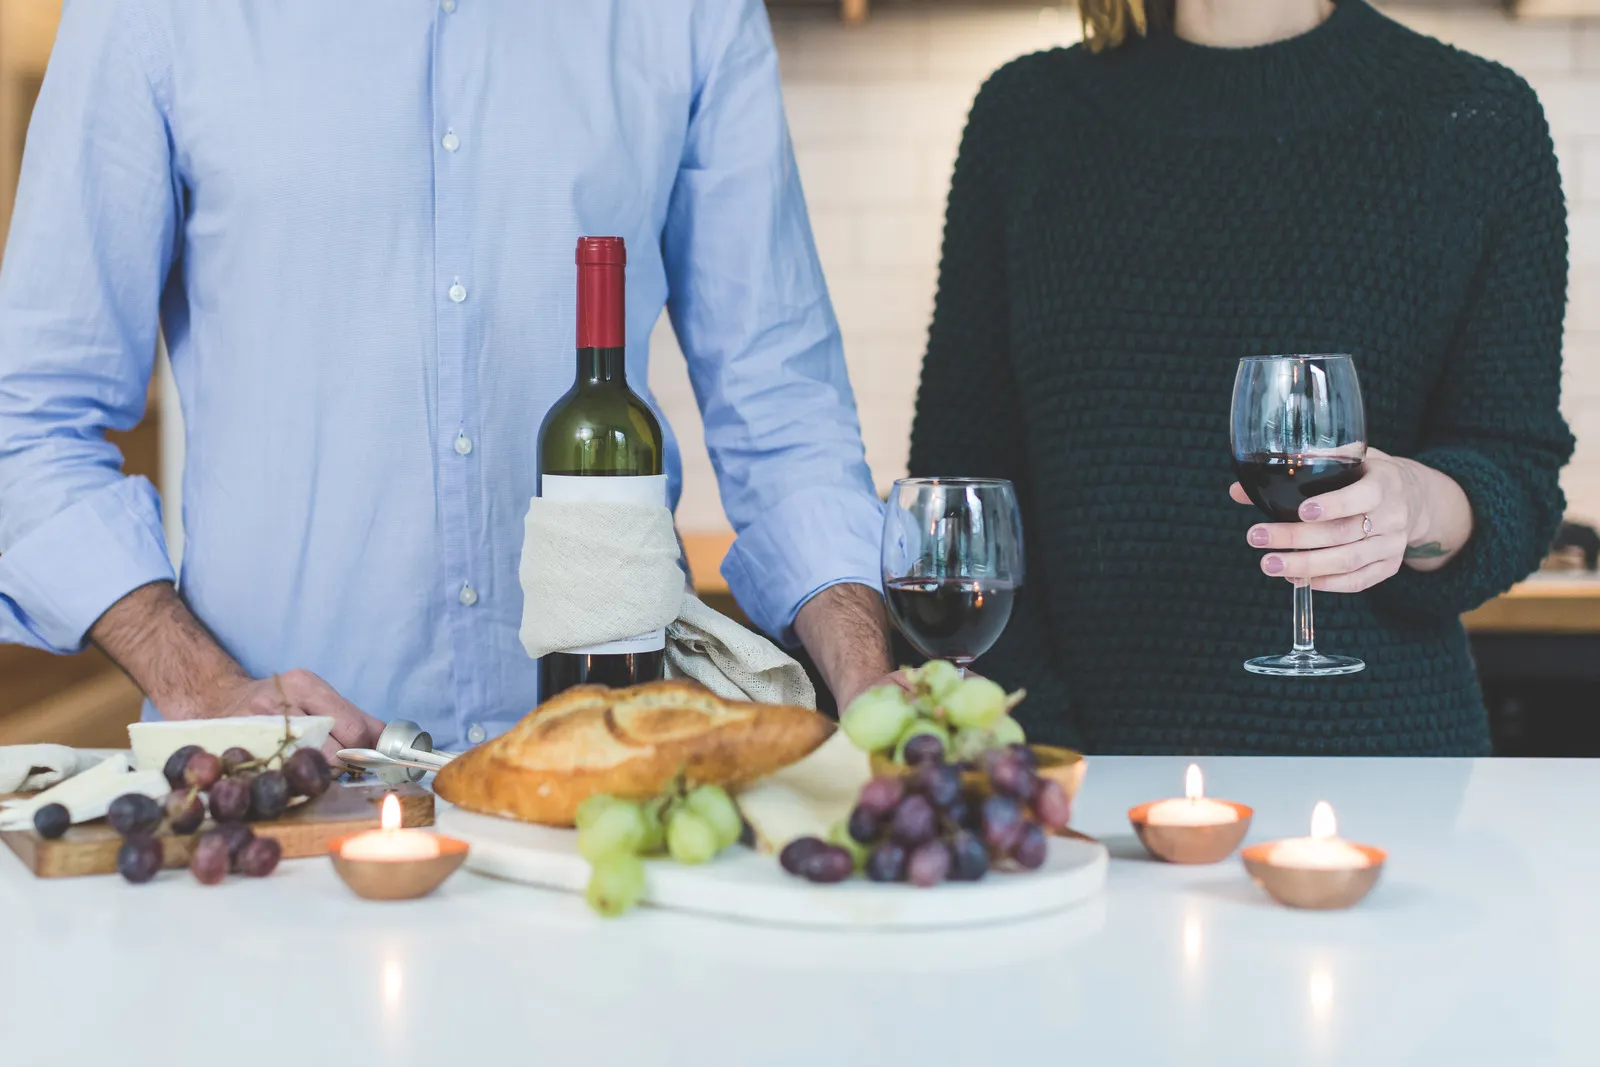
x,y
1323,850
1193,828
1320,871
391,843
1195,809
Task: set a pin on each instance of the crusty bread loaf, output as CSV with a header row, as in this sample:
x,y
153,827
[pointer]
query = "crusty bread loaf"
x,y
626,743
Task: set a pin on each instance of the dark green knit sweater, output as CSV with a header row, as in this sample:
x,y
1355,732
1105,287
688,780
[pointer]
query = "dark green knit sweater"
x,y
1122,228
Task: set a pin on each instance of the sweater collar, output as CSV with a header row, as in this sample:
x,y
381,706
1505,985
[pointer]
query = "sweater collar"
x,y
1318,76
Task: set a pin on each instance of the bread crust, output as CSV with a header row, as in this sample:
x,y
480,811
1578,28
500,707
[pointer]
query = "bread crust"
x,y
629,743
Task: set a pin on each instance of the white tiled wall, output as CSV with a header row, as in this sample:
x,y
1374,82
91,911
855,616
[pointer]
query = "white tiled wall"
x,y
876,114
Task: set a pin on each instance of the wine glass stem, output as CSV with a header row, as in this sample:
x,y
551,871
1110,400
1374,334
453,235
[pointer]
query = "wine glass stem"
x,y
1305,637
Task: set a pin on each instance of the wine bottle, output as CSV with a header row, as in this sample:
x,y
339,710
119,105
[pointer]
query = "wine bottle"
x,y
601,442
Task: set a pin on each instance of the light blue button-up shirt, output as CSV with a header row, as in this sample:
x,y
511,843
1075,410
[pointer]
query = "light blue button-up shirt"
x,y
355,224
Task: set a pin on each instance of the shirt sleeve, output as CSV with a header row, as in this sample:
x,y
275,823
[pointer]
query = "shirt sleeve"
x,y
968,420
89,251
1494,420
752,314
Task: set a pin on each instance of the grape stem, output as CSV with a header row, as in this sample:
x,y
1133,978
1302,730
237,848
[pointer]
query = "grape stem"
x,y
288,735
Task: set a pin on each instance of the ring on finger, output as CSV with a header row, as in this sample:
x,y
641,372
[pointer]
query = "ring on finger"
x,y
1366,527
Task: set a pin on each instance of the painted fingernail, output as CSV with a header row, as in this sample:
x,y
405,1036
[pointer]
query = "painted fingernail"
x,y
1273,564
1259,536
1311,511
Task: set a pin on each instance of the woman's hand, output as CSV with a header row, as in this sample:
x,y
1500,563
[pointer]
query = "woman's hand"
x,y
1353,538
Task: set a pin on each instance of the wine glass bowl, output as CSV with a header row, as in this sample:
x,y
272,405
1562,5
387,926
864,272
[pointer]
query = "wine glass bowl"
x,y
952,562
1298,430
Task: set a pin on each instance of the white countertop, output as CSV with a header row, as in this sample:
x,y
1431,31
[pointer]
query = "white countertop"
x,y
1481,945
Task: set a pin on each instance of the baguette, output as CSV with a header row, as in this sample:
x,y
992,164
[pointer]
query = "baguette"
x,y
628,743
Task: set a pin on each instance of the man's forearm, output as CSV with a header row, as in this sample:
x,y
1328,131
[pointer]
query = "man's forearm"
x,y
153,636
847,633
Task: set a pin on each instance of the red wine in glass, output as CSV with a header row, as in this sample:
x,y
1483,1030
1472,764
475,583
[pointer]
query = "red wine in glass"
x,y
1279,483
952,563
957,619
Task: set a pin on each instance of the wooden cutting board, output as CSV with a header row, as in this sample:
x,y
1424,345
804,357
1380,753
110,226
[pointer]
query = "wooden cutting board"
x,y
91,847
744,884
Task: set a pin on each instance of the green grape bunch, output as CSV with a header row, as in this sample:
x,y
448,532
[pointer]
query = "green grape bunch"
x,y
939,713
691,825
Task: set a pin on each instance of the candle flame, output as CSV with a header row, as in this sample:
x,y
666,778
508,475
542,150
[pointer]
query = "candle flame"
x,y
1323,825
1194,785
390,817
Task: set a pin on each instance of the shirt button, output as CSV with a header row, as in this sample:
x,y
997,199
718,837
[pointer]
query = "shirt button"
x,y
458,292
468,595
475,732
451,142
463,444
448,5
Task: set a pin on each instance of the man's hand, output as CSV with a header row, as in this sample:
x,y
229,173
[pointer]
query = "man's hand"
x,y
847,633
305,694
153,636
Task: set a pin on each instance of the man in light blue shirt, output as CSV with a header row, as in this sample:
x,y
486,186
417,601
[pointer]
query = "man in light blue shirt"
x,y
354,222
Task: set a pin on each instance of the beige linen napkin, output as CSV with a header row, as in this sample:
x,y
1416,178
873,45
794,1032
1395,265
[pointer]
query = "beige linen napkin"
x,y
732,661
29,768
597,572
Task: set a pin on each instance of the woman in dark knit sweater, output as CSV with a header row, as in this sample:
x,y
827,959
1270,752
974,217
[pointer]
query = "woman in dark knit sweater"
x,y
1126,220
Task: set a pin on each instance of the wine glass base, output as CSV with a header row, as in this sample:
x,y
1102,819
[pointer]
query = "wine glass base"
x,y
1304,665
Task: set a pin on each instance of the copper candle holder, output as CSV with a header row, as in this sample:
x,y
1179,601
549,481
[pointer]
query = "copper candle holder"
x,y
1190,844
403,879
1313,887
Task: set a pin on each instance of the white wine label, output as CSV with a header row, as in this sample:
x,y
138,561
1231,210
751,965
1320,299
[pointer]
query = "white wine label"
x,y
648,489
640,489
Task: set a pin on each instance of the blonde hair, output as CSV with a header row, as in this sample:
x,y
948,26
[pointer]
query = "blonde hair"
x,y
1106,22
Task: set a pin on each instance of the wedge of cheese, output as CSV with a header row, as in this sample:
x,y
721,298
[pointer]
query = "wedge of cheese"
x,y
153,742
88,795
806,798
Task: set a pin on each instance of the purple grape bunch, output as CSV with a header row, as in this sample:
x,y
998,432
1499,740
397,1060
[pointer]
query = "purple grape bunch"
x,y
232,788
928,827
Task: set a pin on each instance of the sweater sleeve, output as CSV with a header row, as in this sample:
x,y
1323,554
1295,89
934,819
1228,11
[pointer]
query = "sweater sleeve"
x,y
1494,422
968,422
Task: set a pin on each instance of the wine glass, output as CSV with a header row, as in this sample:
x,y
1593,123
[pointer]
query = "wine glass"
x,y
1299,429
952,563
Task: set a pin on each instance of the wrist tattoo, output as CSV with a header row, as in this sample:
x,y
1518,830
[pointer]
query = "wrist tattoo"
x,y
1430,550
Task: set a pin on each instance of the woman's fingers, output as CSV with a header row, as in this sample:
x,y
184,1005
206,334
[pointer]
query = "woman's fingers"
x,y
1323,562
1302,535
1239,495
1347,540
1358,499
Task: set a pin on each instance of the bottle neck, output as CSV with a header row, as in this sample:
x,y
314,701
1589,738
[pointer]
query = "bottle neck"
x,y
602,306
602,312
602,366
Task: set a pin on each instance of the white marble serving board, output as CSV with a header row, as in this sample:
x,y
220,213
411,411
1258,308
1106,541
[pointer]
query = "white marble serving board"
x,y
744,884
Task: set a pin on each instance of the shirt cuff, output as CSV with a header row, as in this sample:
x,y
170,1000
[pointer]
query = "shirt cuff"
x,y
812,539
58,580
